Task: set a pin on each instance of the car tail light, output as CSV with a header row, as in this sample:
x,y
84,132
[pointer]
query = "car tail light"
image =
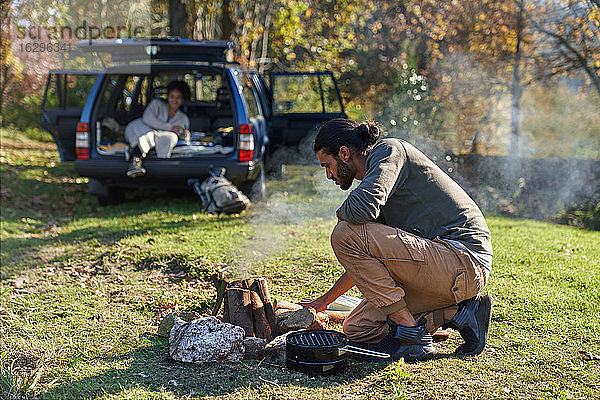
x,y
82,141
246,142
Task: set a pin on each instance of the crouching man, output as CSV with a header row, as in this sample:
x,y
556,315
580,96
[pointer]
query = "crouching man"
x,y
412,241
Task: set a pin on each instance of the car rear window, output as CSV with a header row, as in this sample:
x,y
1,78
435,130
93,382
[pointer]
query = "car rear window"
x,y
203,86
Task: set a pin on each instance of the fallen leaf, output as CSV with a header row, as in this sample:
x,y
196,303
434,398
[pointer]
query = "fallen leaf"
x,y
20,282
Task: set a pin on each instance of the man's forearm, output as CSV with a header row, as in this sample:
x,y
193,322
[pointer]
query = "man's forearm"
x,y
341,286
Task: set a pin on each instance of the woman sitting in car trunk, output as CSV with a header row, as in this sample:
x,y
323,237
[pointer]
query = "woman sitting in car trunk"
x,y
160,127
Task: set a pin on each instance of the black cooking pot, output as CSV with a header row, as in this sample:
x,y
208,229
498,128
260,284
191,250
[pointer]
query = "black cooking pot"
x,y
321,352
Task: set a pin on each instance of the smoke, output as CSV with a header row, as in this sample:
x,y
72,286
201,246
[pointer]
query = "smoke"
x,y
462,121
551,173
300,200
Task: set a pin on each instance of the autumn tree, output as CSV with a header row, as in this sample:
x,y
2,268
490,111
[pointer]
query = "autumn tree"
x,y
179,19
246,23
474,54
572,34
7,62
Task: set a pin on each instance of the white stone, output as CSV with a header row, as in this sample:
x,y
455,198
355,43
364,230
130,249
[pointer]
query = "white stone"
x,y
206,340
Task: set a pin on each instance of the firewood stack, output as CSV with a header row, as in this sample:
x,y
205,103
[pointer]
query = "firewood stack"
x,y
247,303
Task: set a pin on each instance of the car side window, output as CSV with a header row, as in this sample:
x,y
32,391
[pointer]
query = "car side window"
x,y
142,90
304,93
207,86
55,91
248,92
107,94
263,94
296,94
123,97
68,90
330,96
77,89
128,94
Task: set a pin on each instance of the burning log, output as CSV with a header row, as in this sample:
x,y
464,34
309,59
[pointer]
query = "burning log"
x,y
260,286
259,318
247,303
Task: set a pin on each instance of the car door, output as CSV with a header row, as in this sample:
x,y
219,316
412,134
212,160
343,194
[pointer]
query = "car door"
x,y
299,103
64,98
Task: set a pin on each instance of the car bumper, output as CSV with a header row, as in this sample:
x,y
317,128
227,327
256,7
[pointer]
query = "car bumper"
x,y
165,172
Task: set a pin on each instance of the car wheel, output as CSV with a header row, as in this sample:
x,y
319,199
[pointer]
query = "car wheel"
x,y
275,164
257,189
114,197
106,195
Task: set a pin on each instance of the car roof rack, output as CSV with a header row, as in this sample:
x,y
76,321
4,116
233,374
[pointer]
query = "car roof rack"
x,y
158,49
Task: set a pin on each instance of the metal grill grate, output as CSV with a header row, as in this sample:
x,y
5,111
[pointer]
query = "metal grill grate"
x,y
315,339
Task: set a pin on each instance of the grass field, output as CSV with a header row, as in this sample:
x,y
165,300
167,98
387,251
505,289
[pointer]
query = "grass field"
x,y
82,289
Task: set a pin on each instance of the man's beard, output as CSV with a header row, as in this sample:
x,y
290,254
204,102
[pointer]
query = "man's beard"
x,y
345,175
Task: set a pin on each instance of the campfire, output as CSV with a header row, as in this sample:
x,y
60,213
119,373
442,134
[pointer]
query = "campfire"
x,y
245,323
247,303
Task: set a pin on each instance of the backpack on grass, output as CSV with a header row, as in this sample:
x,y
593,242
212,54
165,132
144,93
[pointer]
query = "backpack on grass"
x,y
219,195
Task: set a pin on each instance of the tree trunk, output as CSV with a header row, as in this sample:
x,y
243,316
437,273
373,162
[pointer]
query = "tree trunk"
x,y
227,24
516,88
4,53
265,41
178,19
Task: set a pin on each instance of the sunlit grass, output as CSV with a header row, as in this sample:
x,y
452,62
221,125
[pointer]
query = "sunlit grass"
x,y
83,289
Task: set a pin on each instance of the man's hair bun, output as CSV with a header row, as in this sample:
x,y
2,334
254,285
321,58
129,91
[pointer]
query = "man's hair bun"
x,y
369,132
339,132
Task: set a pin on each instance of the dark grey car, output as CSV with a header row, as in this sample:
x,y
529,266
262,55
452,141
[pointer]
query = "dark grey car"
x,y
236,118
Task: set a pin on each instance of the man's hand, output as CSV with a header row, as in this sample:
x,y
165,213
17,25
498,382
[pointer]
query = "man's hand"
x,y
318,304
341,286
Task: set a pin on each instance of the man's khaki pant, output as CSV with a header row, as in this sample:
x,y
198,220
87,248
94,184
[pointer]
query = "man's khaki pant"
x,y
396,270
